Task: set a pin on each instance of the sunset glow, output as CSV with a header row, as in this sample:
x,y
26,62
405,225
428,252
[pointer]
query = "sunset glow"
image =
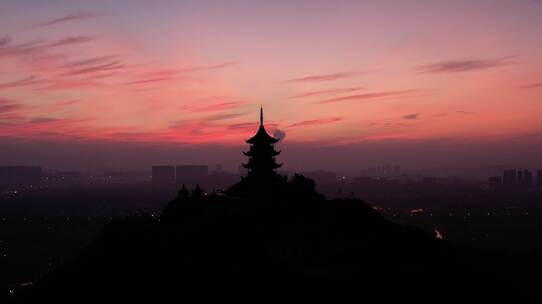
x,y
334,72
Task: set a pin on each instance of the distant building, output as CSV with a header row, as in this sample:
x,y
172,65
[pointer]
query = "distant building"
x,y
527,178
519,177
509,178
191,175
539,178
429,181
495,182
163,176
20,175
122,177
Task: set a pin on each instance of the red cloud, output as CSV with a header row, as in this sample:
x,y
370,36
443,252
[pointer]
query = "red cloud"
x,y
106,67
19,49
70,41
454,66
70,17
174,72
366,96
5,108
533,86
217,106
325,92
8,106
67,102
151,80
315,122
326,77
31,80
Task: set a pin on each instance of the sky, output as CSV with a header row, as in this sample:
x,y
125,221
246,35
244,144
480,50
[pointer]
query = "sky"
x,y
344,83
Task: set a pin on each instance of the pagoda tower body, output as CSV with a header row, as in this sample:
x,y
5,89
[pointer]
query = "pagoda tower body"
x,y
261,155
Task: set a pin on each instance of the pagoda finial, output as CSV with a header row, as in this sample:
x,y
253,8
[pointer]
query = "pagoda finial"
x,y
261,116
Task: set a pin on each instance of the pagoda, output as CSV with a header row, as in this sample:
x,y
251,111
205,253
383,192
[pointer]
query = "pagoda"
x,y
261,155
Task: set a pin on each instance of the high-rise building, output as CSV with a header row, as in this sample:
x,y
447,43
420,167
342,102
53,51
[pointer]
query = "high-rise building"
x,y
495,182
509,178
163,176
539,178
191,175
519,177
527,178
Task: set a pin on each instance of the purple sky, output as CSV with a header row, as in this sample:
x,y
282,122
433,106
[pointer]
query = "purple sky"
x,y
127,84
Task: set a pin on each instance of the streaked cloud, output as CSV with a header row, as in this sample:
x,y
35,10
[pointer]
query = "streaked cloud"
x,y
150,80
368,96
536,85
324,77
455,66
69,18
107,66
223,116
70,41
67,102
326,92
316,122
9,49
8,105
170,73
30,80
411,116
42,120
220,106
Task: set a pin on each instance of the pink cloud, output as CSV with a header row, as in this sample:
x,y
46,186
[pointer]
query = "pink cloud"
x,y
151,80
325,77
8,49
67,102
217,106
326,92
68,18
70,41
316,122
411,116
367,96
454,66
174,72
31,80
106,67
536,85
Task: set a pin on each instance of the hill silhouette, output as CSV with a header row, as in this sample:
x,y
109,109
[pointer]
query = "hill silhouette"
x,y
220,242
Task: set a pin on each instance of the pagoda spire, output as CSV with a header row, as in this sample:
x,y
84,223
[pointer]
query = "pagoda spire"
x,y
261,155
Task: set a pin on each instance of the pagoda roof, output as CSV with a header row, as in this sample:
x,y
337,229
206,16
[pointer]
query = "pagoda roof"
x,y
262,137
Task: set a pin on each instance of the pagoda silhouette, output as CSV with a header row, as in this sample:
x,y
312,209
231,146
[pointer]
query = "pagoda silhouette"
x,y
262,177
261,163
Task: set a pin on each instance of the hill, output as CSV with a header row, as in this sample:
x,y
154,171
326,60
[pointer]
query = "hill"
x,y
217,242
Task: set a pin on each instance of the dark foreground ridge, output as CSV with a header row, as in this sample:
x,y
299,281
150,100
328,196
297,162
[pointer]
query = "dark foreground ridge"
x,y
216,242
